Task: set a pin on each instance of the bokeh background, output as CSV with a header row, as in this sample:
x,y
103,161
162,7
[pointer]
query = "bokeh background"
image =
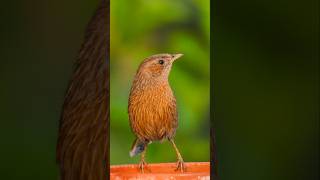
x,y
266,89
142,28
39,42
265,82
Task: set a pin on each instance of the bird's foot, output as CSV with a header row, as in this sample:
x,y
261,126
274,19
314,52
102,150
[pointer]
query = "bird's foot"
x,y
142,166
180,165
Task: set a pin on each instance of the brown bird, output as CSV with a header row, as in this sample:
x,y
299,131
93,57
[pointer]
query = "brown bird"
x,y
82,148
152,106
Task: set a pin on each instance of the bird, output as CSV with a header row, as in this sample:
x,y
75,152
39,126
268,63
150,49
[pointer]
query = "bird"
x,y
152,108
83,145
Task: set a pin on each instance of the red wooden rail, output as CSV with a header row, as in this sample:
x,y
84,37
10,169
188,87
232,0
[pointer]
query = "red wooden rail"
x,y
161,171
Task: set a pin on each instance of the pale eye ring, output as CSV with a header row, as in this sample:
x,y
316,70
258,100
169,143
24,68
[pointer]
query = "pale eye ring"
x,y
161,61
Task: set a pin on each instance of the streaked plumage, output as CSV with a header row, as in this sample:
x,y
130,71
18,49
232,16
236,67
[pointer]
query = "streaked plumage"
x,y
152,105
82,149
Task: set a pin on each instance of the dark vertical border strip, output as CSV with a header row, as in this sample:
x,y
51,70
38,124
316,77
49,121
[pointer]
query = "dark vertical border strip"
x,y
107,30
213,148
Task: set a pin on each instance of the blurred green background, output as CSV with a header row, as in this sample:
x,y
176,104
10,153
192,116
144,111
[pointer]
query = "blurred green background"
x,y
265,84
266,89
39,41
142,28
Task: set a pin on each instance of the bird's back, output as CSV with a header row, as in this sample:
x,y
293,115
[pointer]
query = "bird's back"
x,y
82,148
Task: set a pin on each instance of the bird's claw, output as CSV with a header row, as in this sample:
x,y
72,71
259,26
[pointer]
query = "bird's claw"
x,y
142,165
180,166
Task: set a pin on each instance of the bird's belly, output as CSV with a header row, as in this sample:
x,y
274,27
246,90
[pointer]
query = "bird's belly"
x,y
153,121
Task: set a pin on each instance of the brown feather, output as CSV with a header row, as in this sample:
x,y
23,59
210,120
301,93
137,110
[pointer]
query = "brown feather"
x,y
152,106
82,149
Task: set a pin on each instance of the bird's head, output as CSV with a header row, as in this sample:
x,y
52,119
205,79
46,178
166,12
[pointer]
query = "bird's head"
x,y
158,66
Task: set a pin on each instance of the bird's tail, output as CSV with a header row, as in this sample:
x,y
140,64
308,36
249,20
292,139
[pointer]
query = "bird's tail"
x,y
138,147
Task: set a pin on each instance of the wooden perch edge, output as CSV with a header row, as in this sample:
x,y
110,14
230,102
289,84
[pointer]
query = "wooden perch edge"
x,y
194,170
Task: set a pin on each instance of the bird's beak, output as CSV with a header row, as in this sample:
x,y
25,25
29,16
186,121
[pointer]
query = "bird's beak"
x,y
176,56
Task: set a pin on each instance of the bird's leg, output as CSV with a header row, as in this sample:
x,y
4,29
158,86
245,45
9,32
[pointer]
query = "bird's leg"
x,y
180,162
143,163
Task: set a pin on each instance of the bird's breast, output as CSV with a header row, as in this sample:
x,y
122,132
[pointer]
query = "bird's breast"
x,y
153,113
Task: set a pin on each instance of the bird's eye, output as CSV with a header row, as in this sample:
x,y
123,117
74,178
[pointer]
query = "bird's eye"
x,y
161,61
